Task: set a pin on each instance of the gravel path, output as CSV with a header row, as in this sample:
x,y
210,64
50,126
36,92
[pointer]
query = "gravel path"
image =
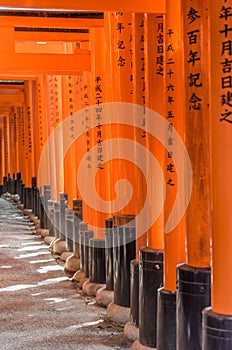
x,y
40,307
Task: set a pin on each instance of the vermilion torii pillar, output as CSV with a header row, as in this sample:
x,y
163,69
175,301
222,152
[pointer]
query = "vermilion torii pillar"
x,y
95,161
40,128
6,143
120,31
193,278
154,35
153,97
1,153
28,127
217,320
174,241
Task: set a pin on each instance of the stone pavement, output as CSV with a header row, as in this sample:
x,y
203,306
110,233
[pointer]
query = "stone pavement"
x,y
40,307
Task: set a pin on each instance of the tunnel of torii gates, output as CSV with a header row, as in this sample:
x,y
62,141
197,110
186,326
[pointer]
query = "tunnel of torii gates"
x,y
115,130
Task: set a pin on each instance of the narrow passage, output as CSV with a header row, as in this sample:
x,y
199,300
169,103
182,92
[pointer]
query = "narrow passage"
x,y
40,307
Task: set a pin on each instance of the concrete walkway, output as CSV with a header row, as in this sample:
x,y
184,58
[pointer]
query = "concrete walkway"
x,y
40,307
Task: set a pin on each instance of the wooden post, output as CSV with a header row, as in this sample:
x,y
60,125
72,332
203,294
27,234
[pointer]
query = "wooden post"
x,y
21,139
13,140
87,140
139,98
217,321
50,121
155,100
1,153
40,130
122,72
99,132
193,292
70,186
6,145
29,142
58,145
174,241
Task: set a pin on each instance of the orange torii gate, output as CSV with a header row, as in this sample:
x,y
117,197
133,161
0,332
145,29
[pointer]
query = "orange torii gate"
x,y
157,6
35,58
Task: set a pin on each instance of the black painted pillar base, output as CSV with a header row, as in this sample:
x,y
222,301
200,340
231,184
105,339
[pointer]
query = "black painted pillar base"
x,y
28,198
1,190
47,196
78,217
41,211
33,186
86,238
33,181
22,186
38,204
69,229
19,179
82,250
131,329
166,320
134,268
72,220
193,295
19,182
150,280
4,184
109,256
217,331
8,183
13,185
23,194
63,206
124,251
97,271
80,277
51,217
56,219
35,201
76,236
82,228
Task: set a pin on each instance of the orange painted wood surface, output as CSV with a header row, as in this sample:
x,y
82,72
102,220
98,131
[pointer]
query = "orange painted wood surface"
x,y
44,22
221,122
28,133
10,100
174,241
197,134
29,63
91,5
155,100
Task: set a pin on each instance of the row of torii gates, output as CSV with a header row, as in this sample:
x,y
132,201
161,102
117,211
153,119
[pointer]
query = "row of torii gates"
x,y
136,90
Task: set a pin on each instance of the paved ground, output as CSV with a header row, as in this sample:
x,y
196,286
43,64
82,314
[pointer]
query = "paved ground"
x,y
40,307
